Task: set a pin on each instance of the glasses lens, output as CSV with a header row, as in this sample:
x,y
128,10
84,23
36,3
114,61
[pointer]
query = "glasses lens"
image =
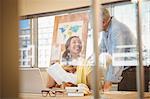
x,y
52,93
44,93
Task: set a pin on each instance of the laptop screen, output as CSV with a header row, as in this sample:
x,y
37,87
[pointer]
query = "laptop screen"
x,y
31,80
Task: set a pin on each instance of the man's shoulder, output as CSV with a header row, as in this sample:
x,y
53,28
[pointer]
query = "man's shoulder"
x,y
118,26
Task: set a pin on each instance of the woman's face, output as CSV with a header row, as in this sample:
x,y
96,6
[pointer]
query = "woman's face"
x,y
75,46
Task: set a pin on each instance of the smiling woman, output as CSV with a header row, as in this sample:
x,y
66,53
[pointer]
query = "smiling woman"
x,y
81,72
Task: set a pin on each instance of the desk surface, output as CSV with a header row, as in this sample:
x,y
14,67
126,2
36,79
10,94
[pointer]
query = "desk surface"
x,y
106,95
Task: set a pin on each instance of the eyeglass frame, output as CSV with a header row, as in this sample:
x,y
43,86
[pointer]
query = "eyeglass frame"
x,y
52,92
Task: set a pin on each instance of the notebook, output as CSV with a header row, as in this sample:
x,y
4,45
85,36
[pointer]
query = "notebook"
x,y
31,80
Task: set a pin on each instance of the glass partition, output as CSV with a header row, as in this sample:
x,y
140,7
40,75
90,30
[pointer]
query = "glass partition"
x,y
65,48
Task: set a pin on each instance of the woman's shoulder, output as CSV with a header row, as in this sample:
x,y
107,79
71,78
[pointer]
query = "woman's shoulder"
x,y
84,62
80,61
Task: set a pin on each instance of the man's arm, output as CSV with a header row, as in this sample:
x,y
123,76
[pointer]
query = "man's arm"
x,y
102,45
113,73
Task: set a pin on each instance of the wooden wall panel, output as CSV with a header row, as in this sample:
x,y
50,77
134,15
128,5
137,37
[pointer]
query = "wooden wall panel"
x,y
9,49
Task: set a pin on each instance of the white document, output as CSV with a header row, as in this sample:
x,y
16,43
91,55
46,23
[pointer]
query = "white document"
x,y
60,75
76,94
74,89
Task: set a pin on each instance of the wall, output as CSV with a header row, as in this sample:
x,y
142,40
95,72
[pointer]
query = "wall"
x,y
44,76
9,49
28,7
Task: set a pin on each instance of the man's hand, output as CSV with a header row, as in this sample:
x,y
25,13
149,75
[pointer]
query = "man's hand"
x,y
107,86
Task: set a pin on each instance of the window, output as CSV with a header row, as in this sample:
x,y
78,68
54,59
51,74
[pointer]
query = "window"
x,y
126,13
146,30
25,43
38,41
45,33
128,17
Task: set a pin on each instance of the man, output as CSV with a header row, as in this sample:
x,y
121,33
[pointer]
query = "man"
x,y
115,34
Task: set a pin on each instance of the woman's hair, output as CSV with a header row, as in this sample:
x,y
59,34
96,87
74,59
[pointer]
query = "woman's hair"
x,y
66,55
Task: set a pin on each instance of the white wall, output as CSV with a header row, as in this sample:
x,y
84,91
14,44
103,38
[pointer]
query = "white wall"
x,y
28,7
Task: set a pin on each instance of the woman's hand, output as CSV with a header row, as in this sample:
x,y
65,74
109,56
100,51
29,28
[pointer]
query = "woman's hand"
x,y
69,84
70,69
65,84
107,86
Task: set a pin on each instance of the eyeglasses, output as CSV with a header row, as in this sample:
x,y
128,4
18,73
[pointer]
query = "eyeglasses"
x,y
52,92
48,92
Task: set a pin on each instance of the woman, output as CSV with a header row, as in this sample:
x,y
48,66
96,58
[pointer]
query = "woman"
x,y
72,52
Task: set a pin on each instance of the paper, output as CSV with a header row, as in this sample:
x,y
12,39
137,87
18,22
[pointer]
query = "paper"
x,y
75,94
60,75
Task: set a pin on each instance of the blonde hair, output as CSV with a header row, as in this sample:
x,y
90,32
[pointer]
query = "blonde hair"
x,y
105,13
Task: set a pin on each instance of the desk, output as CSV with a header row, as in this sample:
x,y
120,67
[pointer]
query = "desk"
x,y
109,95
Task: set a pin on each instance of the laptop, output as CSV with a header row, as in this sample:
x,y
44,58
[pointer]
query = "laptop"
x,y
31,80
